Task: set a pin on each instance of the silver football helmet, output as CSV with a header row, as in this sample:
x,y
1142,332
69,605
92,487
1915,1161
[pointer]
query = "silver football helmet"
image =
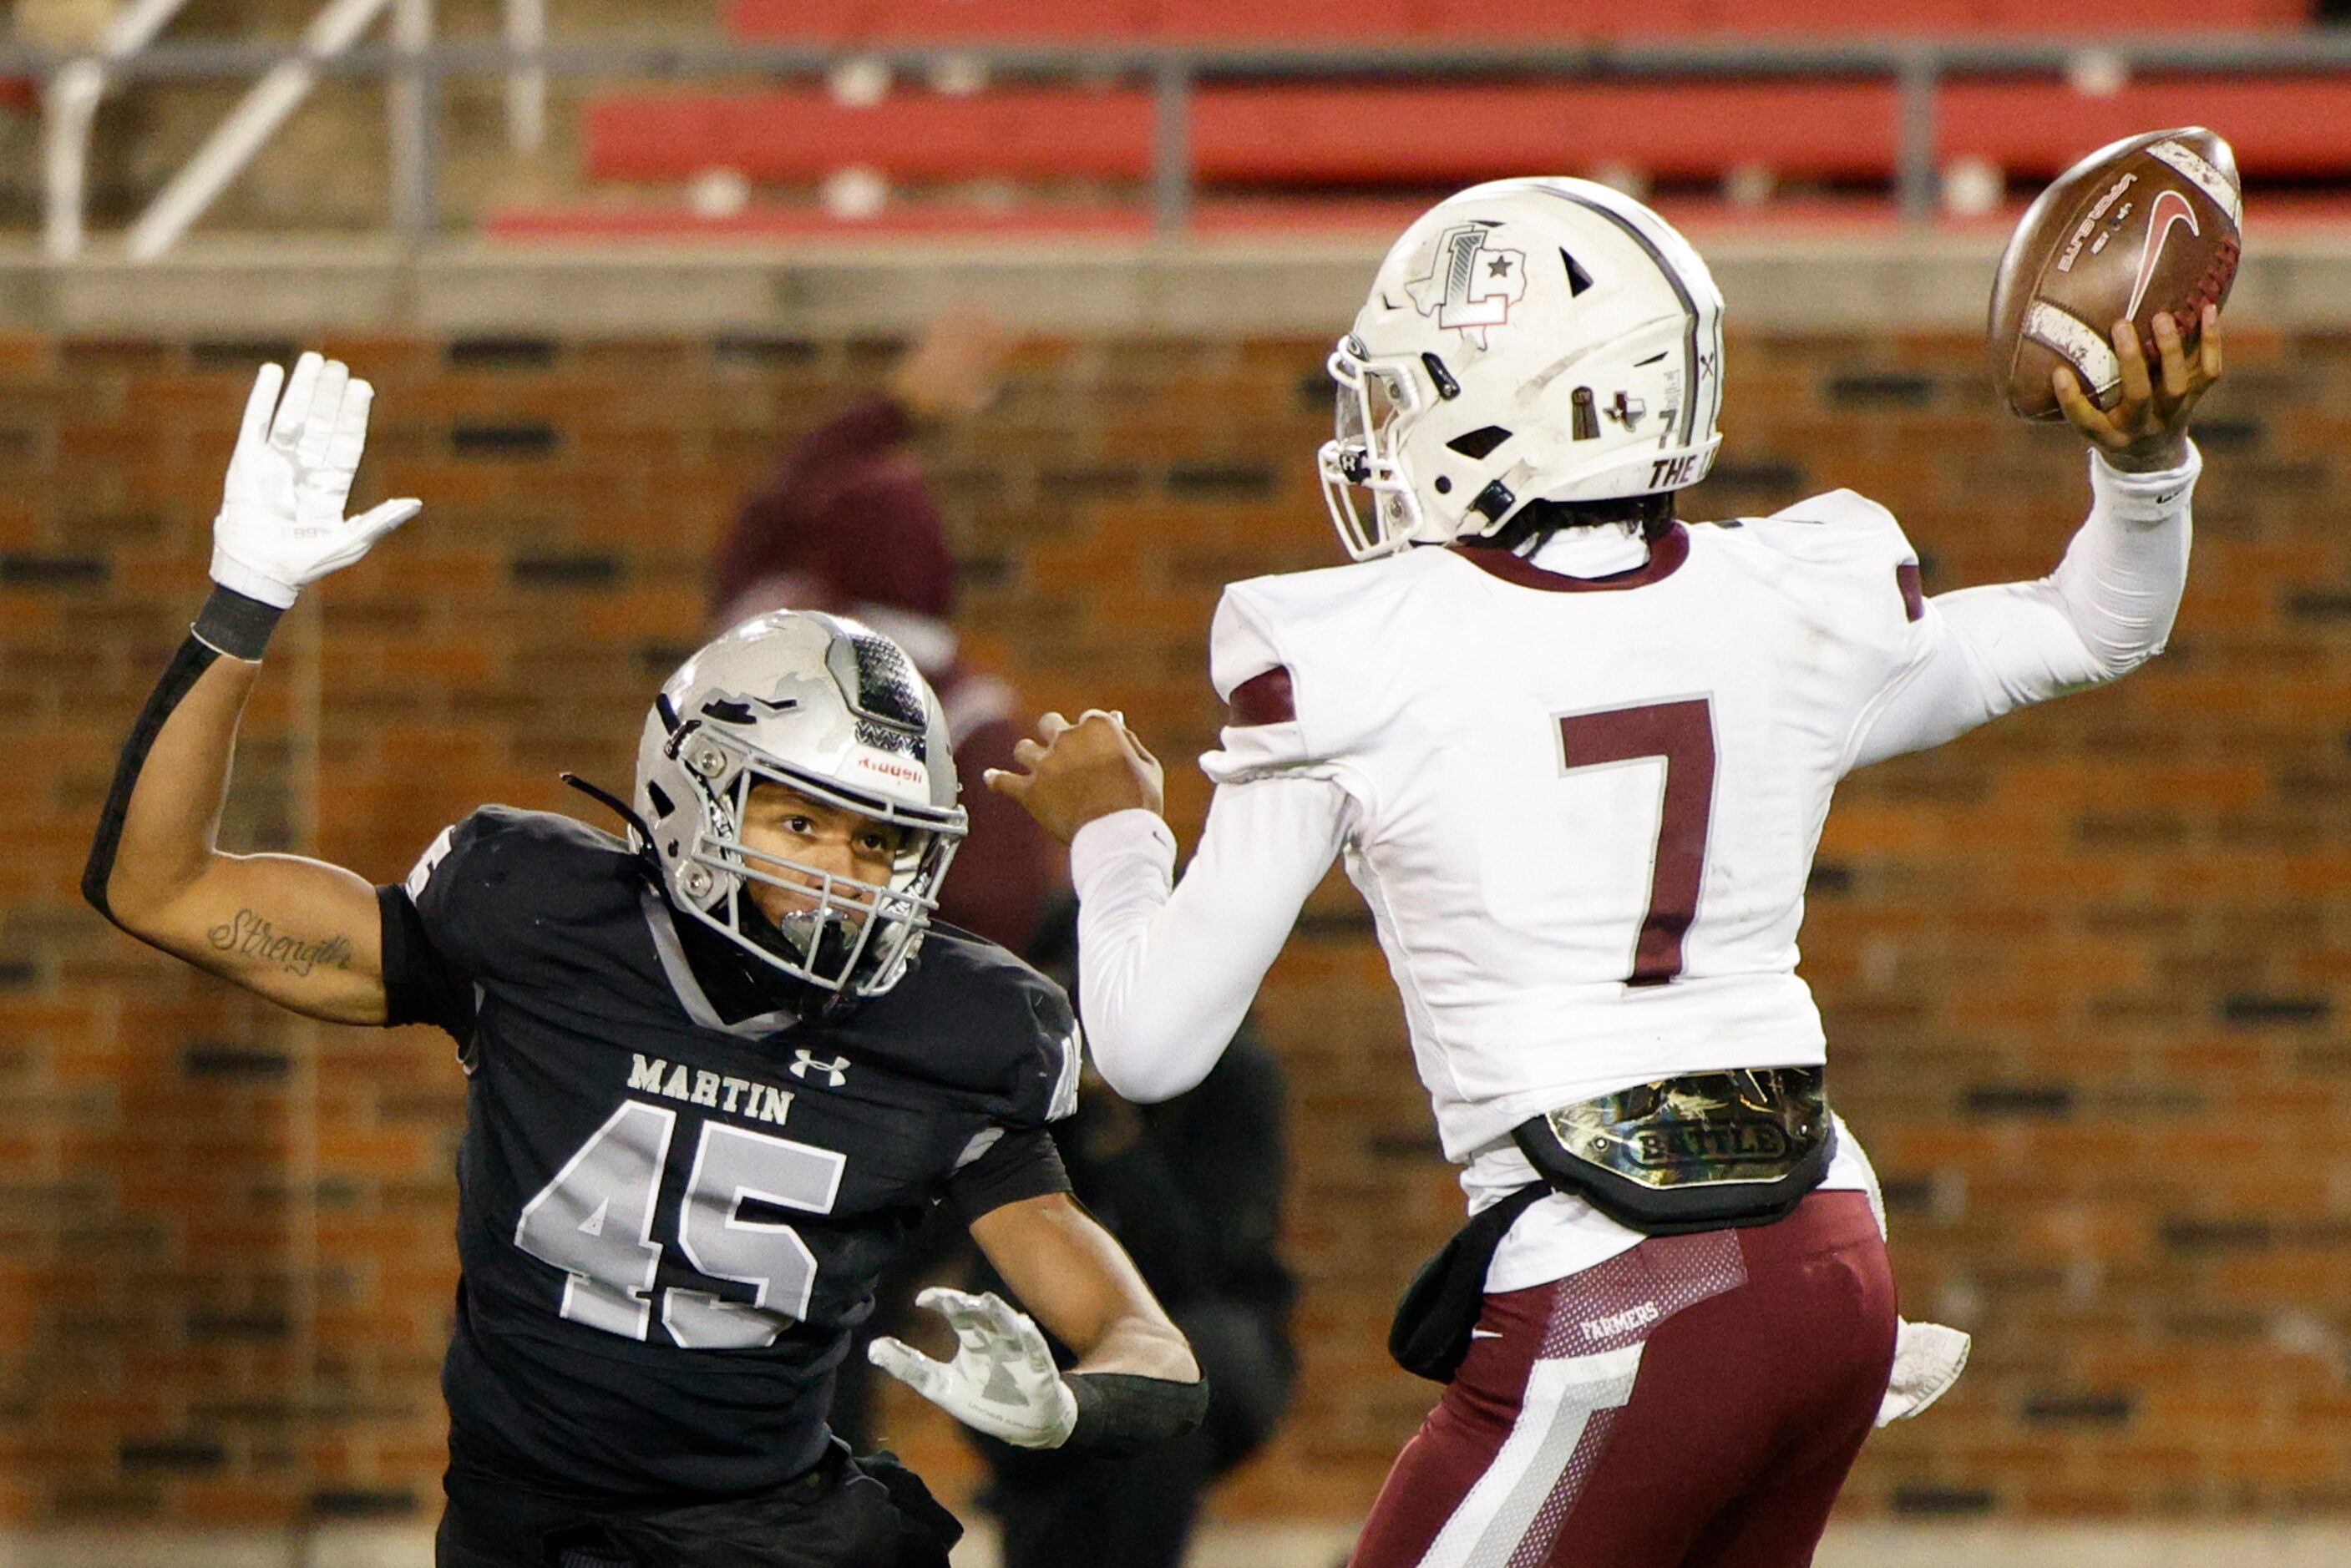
x,y
836,711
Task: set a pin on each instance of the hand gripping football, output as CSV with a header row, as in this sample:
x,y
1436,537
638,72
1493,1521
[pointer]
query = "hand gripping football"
x,y
2148,225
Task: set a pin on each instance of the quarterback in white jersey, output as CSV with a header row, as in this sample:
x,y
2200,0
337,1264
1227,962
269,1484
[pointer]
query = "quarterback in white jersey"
x,y
1577,755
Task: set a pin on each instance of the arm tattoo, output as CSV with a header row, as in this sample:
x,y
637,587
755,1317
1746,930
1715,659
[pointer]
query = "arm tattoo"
x,y
248,935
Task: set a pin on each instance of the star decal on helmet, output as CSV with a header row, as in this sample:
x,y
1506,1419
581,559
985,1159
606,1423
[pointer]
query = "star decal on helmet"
x,y
1470,286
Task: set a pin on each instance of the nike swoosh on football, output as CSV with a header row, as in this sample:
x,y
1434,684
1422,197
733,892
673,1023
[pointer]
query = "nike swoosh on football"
x,y
2168,210
1484,1334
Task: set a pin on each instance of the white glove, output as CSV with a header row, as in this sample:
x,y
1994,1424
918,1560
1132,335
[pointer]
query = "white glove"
x,y
1002,1380
1928,1359
281,523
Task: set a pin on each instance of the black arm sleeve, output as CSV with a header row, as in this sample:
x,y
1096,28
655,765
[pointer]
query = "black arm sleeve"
x,y
229,623
193,658
1022,1165
421,986
1120,1413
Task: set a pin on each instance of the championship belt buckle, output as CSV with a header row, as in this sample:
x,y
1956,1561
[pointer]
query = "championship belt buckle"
x,y
1733,1147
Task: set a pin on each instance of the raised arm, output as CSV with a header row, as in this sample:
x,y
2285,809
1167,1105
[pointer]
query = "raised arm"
x,y
299,931
2108,607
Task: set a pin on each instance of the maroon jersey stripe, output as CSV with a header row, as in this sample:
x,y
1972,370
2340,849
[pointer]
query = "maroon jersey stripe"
x,y
1913,593
1264,699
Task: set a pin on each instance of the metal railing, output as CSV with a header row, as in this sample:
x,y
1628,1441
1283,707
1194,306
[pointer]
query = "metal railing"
x,y
416,71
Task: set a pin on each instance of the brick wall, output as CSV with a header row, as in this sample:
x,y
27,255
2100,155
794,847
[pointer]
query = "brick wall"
x,y
2080,969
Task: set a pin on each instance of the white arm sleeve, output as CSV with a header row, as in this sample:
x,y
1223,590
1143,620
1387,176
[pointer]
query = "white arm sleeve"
x,y
1164,979
2108,609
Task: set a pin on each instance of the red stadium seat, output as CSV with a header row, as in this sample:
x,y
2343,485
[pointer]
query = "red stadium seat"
x,y
2091,18
1833,18
1385,134
1401,135
919,136
1369,135
951,21
2281,128
1323,22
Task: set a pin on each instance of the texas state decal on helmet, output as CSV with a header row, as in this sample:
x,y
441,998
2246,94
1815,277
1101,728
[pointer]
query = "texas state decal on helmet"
x,y
1472,284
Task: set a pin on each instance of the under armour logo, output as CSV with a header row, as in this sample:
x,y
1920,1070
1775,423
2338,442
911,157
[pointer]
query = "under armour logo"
x,y
1469,288
836,1072
1627,412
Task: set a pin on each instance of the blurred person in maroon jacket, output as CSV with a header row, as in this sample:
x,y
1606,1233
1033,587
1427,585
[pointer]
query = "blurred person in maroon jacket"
x,y
848,524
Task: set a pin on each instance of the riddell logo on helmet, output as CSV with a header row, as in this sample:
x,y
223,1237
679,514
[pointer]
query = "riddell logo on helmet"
x,y
1470,286
891,767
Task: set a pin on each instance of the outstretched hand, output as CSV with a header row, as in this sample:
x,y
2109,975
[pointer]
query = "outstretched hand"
x,y
1080,771
2147,430
1002,1380
281,525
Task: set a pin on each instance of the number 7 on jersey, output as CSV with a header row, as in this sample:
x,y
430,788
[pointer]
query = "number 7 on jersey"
x,y
1681,732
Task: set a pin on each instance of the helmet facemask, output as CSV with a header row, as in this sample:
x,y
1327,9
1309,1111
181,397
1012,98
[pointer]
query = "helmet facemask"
x,y
1378,402
838,933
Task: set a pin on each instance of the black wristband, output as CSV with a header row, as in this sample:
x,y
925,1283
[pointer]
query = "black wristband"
x,y
1120,1413
236,625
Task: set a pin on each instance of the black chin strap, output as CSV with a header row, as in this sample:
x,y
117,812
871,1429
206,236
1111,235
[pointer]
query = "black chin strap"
x,y
626,813
751,985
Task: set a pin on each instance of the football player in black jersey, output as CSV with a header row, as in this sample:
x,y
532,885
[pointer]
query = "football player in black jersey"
x,y
718,1070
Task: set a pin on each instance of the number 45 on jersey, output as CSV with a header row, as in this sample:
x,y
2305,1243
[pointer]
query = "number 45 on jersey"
x,y
595,1221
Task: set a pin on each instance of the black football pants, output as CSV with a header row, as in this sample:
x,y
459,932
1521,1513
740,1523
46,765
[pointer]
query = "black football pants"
x,y
844,1513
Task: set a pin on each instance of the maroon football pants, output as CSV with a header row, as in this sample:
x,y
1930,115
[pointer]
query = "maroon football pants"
x,y
1693,1403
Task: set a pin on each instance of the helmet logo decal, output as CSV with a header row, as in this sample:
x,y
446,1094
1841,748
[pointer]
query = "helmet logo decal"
x,y
1587,423
1471,286
734,708
1627,412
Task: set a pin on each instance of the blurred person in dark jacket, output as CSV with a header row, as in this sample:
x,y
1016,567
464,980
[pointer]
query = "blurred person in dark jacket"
x,y
1191,1188
848,524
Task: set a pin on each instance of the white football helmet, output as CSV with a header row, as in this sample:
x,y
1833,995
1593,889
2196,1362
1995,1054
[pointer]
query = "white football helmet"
x,y
1526,339
837,712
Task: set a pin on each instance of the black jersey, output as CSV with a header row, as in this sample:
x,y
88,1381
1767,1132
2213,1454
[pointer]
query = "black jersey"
x,y
669,1223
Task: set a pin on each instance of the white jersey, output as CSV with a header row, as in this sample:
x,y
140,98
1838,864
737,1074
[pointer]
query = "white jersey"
x,y
1582,809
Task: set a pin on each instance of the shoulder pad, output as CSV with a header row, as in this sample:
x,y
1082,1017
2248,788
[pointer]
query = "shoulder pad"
x,y
1301,598
972,1017
1837,515
1837,527
504,830
1283,655
501,873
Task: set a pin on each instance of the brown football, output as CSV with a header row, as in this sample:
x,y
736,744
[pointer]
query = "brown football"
x,y
2148,225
